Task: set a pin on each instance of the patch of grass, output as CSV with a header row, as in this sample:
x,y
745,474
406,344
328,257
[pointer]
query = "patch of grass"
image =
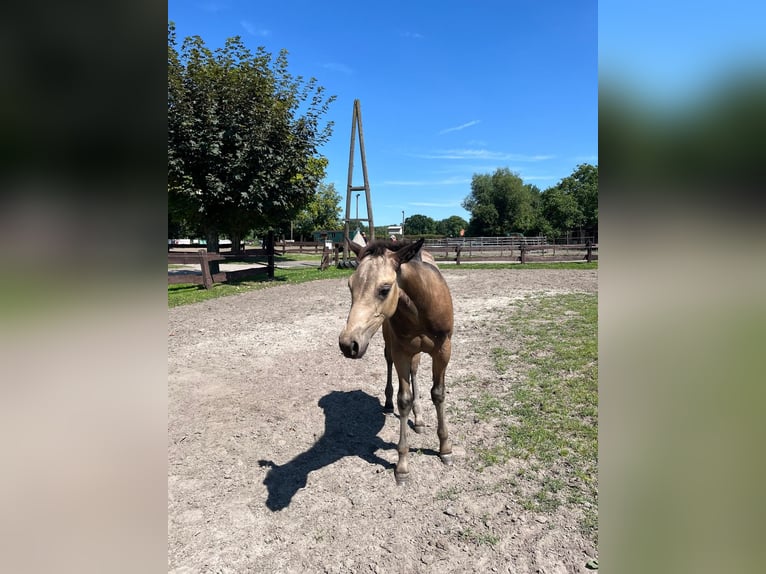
x,y
501,358
487,406
550,416
451,493
479,538
280,258
186,293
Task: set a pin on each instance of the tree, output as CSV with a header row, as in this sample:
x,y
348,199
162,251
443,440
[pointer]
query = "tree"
x,y
560,211
451,226
419,225
322,212
243,135
501,203
572,204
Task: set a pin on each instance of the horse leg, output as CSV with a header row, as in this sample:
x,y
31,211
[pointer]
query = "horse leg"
x,y
388,408
404,402
440,360
418,426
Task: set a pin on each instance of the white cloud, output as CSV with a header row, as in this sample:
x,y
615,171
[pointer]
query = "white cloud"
x,y
420,182
414,35
212,7
253,30
483,154
460,127
338,67
435,204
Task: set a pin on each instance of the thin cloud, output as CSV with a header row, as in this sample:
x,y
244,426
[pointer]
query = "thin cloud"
x,y
212,7
415,35
338,67
460,127
253,30
420,182
434,204
537,177
483,154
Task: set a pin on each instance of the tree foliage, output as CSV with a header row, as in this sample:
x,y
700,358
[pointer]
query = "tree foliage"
x,y
419,225
451,226
322,212
501,203
243,137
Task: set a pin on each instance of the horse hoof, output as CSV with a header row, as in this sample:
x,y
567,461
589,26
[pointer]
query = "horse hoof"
x,y
402,478
446,458
419,428
388,410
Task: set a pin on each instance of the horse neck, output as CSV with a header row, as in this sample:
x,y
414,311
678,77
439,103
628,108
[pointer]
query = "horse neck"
x,y
412,284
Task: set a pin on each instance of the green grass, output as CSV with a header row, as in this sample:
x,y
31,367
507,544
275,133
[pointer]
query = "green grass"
x,y
549,416
478,538
186,293
286,257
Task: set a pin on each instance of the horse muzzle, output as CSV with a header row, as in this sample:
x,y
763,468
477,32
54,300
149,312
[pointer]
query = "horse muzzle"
x,y
353,346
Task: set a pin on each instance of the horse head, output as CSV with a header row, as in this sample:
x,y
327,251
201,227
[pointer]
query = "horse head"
x,y
374,291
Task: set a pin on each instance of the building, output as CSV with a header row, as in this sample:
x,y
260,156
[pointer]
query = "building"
x,y
328,235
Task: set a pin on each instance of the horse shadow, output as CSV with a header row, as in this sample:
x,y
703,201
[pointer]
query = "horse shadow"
x,y
353,420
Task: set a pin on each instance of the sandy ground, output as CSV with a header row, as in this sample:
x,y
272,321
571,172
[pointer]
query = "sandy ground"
x,y
281,460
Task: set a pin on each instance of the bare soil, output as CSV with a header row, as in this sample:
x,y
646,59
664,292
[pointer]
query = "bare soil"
x,y
281,459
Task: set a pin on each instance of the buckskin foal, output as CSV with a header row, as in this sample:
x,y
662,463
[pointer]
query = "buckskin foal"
x,y
398,286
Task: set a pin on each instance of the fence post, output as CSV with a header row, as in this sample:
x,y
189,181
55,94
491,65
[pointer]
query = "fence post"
x,y
207,277
589,247
270,254
523,248
458,249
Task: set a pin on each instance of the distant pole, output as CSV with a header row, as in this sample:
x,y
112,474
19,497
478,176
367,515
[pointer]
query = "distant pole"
x,y
402,224
357,209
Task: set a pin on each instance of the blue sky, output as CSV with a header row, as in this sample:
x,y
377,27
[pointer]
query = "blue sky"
x,y
669,53
447,89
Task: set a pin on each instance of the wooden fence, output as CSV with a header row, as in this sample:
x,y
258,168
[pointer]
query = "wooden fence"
x,y
522,253
207,279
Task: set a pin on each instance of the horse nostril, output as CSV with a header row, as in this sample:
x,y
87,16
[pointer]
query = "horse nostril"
x,y
354,348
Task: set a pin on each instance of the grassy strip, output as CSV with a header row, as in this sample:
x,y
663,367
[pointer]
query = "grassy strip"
x,y
549,417
186,293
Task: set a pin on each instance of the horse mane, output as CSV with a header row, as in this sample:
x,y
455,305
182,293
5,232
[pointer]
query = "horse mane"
x,y
378,247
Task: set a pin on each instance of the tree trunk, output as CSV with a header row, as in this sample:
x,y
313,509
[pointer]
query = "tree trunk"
x,y
236,243
213,247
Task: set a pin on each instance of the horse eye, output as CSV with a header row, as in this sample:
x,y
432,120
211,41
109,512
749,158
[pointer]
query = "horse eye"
x,y
384,291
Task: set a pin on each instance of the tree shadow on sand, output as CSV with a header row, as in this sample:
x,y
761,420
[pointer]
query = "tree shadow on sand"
x,y
353,420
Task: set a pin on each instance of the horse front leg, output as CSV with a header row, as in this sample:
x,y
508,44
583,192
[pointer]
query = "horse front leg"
x,y
404,402
388,408
440,360
418,425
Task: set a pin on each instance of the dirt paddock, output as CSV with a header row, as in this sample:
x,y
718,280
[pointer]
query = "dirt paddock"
x,y
280,458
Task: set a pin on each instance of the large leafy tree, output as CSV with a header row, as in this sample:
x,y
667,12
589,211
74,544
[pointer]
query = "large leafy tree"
x,y
419,225
243,137
451,226
560,212
501,203
322,212
572,204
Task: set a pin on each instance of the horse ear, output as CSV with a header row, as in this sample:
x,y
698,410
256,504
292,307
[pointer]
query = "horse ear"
x,y
355,247
410,251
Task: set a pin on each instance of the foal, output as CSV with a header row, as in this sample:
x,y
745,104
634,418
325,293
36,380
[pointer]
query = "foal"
x,y
398,286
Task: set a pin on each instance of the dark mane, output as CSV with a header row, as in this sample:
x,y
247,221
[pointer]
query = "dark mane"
x,y
378,247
